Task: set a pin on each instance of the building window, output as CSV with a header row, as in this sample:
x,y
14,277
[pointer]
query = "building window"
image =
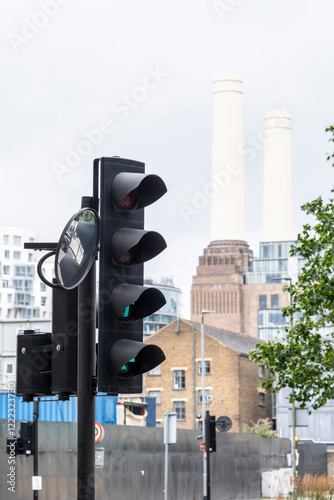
x,y
261,398
17,240
180,410
20,270
179,379
262,302
17,255
6,254
9,298
261,371
5,239
6,269
43,301
156,395
207,368
43,287
274,300
155,372
268,251
207,396
9,368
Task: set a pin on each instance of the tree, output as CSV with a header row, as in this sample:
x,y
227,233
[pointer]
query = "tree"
x,y
304,360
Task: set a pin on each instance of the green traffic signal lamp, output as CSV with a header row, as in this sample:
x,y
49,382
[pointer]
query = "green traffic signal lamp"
x,y
129,358
132,302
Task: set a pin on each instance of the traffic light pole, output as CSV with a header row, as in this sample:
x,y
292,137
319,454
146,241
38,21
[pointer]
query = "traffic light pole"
x,y
35,444
86,386
207,451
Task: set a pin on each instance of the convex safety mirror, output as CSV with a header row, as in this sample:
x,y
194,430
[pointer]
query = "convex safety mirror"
x,y
77,248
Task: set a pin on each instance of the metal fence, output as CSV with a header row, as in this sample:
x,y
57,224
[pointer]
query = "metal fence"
x,y
134,464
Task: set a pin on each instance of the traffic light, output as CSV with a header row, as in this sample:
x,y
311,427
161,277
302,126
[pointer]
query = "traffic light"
x,y
46,363
24,444
212,433
26,439
125,190
65,342
33,365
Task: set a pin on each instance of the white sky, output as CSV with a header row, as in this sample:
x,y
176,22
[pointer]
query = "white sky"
x,y
66,65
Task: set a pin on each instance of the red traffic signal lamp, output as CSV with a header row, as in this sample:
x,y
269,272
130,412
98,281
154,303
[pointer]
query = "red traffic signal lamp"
x,y
125,190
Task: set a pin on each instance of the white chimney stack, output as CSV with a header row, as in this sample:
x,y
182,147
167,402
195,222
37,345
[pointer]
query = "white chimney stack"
x,y
228,216
277,177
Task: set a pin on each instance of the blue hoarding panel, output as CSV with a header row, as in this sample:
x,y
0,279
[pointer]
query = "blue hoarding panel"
x,y
52,410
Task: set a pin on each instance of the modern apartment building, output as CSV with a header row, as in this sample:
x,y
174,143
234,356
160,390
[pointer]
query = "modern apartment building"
x,y
22,294
169,312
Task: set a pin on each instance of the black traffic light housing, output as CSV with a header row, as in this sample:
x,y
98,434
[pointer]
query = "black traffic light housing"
x,y
210,433
125,190
33,365
24,444
46,363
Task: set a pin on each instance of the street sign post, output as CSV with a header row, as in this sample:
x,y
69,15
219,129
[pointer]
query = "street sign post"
x,y
169,438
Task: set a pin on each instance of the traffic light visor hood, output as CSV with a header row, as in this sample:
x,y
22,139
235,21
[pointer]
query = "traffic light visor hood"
x,y
131,191
134,246
129,358
132,302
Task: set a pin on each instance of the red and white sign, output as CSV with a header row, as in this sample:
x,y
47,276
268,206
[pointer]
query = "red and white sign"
x,y
99,432
203,446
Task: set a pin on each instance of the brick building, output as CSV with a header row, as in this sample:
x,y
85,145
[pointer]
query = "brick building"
x,y
231,379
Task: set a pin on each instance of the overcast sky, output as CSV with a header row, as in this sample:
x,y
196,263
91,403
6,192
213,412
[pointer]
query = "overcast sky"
x,y
142,74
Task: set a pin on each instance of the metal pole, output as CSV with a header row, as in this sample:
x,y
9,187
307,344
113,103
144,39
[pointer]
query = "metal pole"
x,y
203,409
293,408
203,312
293,405
86,386
166,425
293,443
207,450
35,411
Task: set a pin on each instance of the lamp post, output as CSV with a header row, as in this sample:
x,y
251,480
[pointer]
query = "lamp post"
x,y
293,406
203,312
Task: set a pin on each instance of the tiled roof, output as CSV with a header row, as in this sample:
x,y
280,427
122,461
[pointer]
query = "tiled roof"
x,y
236,341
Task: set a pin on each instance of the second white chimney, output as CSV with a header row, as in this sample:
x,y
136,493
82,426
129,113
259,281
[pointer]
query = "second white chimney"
x,y
277,177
